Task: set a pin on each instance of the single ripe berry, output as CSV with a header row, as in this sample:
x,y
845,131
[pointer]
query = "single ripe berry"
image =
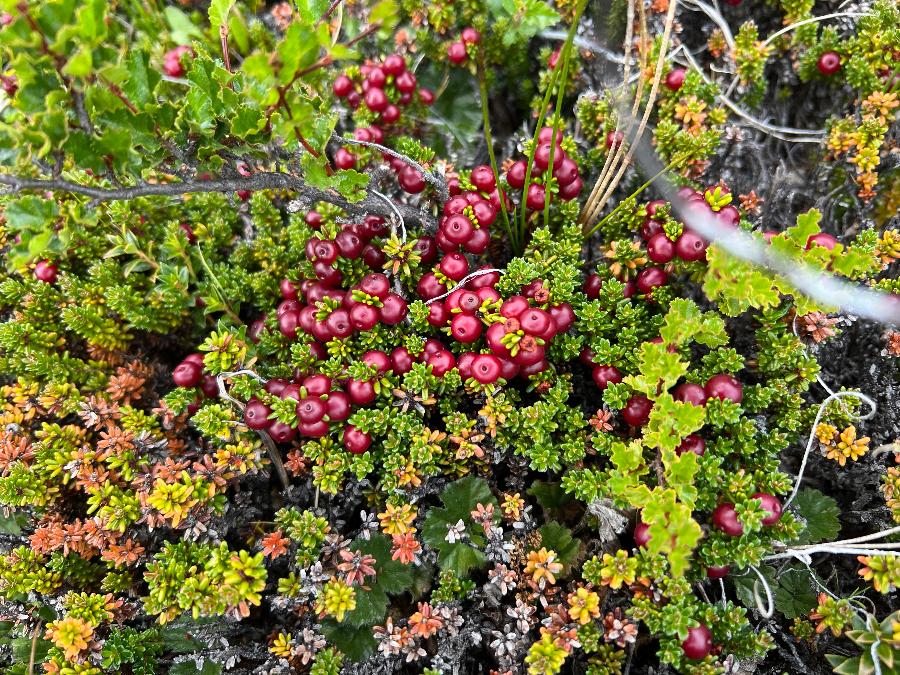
x,y
605,375
660,249
692,443
566,172
637,410
675,78
772,505
650,278
338,406
454,266
690,393
465,328
46,271
821,239
344,159
486,368
537,322
592,285
356,441
542,156
361,392
717,572
256,414
458,228
317,385
483,178
563,316
470,35
342,86
187,374
698,643
690,246
376,100
376,285
281,432
363,317
311,410
405,82
572,190
724,387
441,362
456,52
172,65
725,518
642,534
401,360
515,174
829,63
394,64
393,309
614,139
536,198
411,180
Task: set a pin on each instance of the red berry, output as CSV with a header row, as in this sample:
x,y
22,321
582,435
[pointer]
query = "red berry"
x,y
342,86
724,387
690,246
458,228
338,323
314,219
348,243
728,216
324,251
485,213
650,228
376,285
411,180
288,289
542,156
427,98
313,429
344,159
536,198
692,443
637,410
642,534
483,178
356,441
441,362
454,266
393,309
275,386
401,361
394,64
293,391
456,52
405,82
614,139
726,519
361,392
46,271
465,328
376,100
572,190
373,257
717,572
592,285
317,385
675,78
486,368
429,287
337,406
650,278
172,66
378,359
187,374
821,239
311,410
660,249
605,375
281,432
829,63
537,322
479,241
690,393
470,35
698,643
529,354
256,414
563,316
515,174
566,172
209,386
772,505
363,317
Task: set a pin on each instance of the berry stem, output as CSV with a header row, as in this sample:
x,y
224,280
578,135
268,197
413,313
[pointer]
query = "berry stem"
x,y
486,123
564,54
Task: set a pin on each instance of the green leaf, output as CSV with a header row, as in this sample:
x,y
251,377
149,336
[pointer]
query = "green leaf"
x,y
190,668
821,515
355,642
462,496
30,213
142,79
745,583
670,421
391,576
795,595
660,369
80,63
247,121
559,538
311,11
181,28
460,558
219,11
21,649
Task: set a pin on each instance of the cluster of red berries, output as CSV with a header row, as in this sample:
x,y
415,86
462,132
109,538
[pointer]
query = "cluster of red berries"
x,y
383,89
468,215
320,402
725,517
334,313
173,66
458,51
564,170
189,374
